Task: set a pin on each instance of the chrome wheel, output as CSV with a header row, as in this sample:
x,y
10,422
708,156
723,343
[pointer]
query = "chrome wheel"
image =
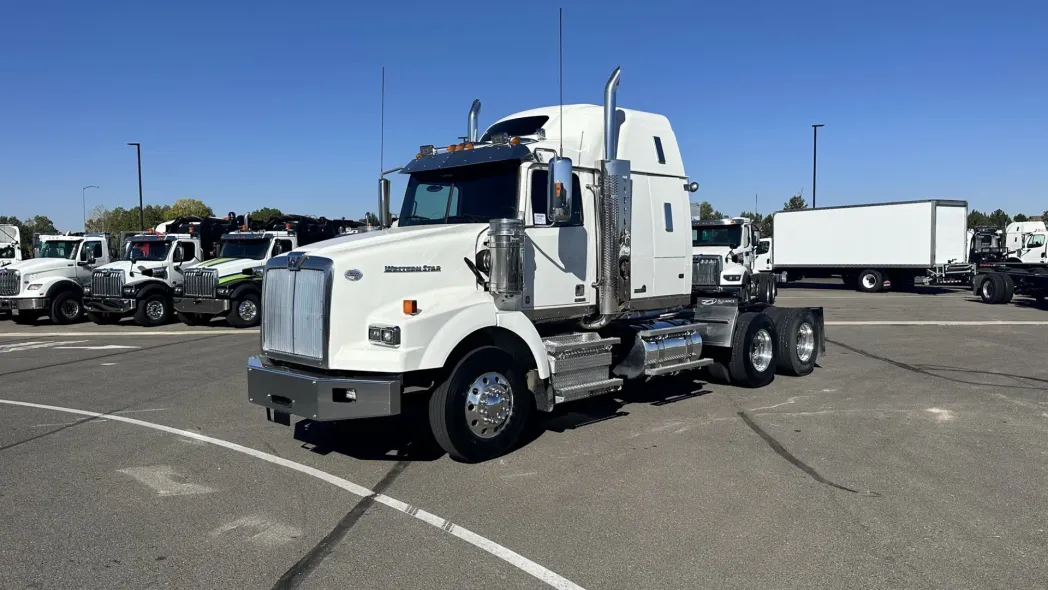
x,y
489,404
70,309
805,342
869,281
247,310
155,310
761,351
987,290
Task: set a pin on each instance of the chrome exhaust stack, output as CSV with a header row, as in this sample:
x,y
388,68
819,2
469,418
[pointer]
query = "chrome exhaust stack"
x,y
473,131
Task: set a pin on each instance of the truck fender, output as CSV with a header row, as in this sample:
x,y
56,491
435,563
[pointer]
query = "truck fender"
x,y
153,287
245,286
61,285
476,319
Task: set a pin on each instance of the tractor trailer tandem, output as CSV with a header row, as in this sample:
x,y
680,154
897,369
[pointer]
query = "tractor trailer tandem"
x,y
867,245
546,260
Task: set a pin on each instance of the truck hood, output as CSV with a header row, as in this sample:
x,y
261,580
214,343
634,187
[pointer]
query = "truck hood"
x,y
125,266
35,265
376,239
230,266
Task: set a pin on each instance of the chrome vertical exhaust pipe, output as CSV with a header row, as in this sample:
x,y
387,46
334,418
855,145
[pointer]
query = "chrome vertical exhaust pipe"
x,y
611,128
473,132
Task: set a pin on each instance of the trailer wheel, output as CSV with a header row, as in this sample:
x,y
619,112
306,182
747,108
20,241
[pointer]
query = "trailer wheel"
x,y
752,362
479,411
871,281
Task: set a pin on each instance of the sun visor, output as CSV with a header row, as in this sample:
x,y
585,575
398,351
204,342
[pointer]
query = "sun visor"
x,y
480,155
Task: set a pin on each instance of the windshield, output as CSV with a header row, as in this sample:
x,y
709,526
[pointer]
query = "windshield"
x,y
254,248
716,235
468,194
7,251
154,251
58,249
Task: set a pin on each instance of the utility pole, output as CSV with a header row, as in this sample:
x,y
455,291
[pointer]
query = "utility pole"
x,y
141,209
814,158
83,200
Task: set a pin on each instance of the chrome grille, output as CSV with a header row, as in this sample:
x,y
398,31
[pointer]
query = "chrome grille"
x,y
105,283
9,282
200,282
294,312
706,271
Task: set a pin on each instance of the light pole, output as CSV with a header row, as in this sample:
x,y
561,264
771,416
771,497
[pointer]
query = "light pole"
x,y
83,200
814,158
141,209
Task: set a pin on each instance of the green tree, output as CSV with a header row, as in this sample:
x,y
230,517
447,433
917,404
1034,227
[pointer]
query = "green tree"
x,y
1000,219
977,218
190,207
370,218
265,214
761,222
706,211
796,202
1020,217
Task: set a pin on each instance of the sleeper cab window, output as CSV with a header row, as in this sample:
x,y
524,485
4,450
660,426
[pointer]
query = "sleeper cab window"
x,y
539,179
658,150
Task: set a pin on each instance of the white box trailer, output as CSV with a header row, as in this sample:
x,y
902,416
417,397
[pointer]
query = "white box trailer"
x,y
867,245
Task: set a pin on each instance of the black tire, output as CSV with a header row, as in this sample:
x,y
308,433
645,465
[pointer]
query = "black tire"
x,y
26,318
245,311
870,281
797,342
102,318
449,406
66,308
1009,289
752,329
153,310
193,319
992,288
745,290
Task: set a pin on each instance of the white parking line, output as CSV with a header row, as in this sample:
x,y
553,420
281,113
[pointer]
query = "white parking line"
x,y
511,557
20,346
940,323
127,333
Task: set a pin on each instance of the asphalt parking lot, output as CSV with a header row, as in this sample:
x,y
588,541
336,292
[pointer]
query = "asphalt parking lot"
x,y
914,457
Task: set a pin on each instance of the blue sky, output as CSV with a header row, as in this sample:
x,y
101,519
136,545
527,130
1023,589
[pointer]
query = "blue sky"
x,y
244,104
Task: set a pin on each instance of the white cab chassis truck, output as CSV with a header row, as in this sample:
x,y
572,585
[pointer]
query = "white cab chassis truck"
x,y
231,285
726,255
144,283
52,284
869,244
527,270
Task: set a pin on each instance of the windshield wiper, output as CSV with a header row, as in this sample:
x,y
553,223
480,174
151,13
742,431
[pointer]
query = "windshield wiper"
x,y
468,217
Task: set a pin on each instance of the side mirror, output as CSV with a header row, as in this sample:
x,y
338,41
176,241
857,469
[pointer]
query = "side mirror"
x,y
178,255
558,193
383,202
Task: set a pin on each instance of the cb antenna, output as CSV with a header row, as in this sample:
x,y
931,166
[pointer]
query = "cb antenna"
x,y
560,58
382,123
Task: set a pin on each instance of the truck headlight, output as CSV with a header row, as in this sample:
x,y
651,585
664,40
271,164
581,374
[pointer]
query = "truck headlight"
x,y
386,335
178,290
222,291
732,278
128,290
33,287
87,290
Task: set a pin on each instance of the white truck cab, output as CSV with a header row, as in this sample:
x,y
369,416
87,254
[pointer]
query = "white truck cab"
x,y
546,260
52,283
143,284
725,253
10,245
1027,242
231,284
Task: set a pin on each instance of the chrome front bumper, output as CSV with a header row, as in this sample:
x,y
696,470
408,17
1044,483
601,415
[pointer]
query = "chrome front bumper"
x,y
23,303
318,396
204,306
109,304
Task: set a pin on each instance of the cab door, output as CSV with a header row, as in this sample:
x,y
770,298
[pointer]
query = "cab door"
x,y
559,259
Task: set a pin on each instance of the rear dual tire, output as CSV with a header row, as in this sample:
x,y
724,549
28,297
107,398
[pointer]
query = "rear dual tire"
x,y
996,288
750,362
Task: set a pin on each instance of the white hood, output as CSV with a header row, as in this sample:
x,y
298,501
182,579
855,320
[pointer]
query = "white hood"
x,y
721,251
125,266
35,265
230,266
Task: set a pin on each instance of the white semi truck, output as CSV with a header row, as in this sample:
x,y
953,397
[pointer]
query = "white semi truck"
x,y
144,284
52,283
867,245
530,267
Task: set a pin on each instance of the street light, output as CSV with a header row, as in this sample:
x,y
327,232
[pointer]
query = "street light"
x,y
141,209
814,158
83,199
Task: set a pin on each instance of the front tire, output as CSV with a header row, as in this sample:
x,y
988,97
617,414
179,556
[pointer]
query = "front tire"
x,y
66,308
153,310
481,408
991,290
245,311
